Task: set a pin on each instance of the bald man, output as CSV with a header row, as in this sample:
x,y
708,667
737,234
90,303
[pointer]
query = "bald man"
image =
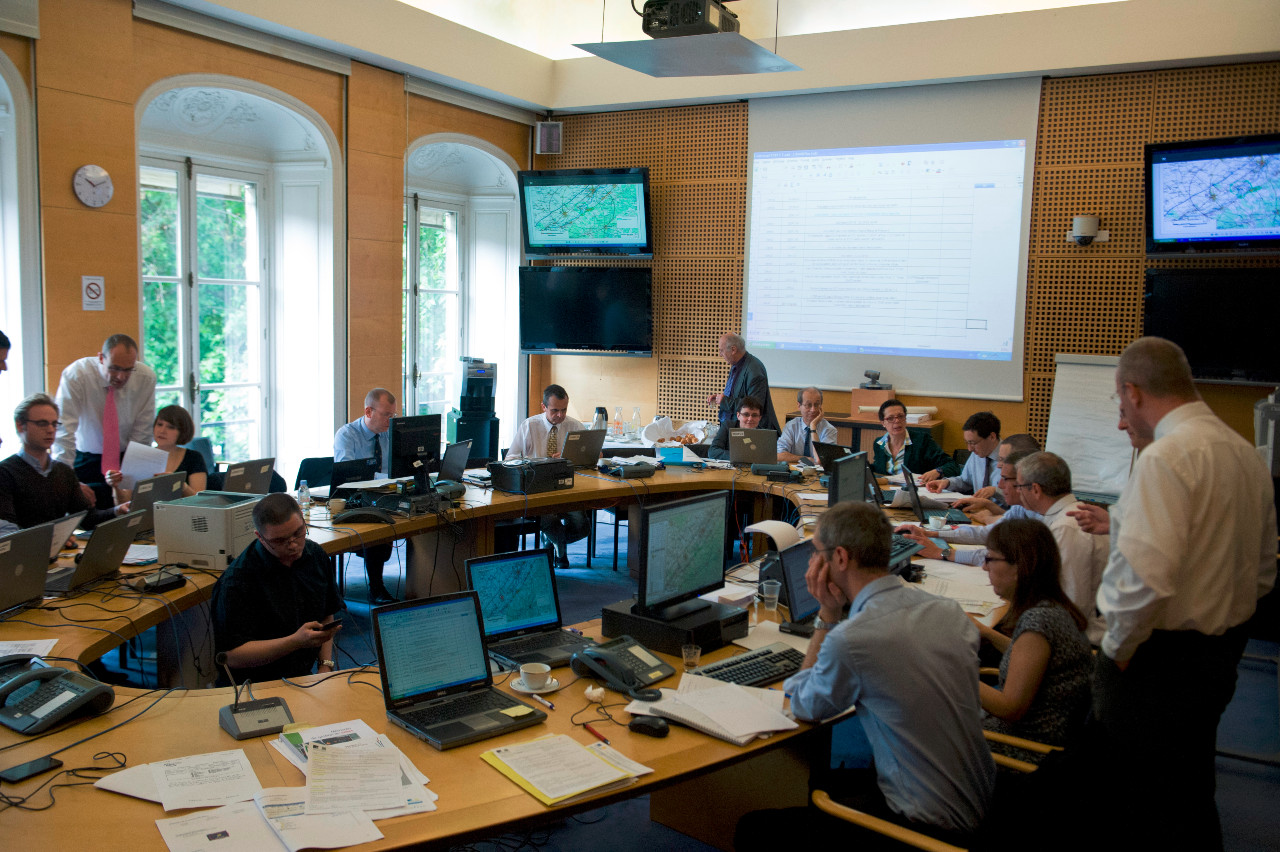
x,y
747,377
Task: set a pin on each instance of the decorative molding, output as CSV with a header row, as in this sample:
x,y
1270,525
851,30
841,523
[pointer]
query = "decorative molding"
x,y
437,92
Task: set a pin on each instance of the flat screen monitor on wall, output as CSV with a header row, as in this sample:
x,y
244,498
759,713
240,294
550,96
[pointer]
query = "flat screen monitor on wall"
x,y
586,310
1213,194
586,211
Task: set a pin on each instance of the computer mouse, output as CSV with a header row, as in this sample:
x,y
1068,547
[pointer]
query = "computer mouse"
x,y
650,726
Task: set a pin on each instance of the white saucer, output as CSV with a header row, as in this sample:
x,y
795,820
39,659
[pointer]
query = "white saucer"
x,y
518,686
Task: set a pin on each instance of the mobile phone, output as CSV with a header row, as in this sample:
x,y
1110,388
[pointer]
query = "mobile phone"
x,y
23,771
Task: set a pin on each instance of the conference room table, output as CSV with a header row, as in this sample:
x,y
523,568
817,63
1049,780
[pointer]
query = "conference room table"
x,y
475,801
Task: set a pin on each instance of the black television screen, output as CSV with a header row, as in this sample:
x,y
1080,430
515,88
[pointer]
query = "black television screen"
x,y
586,211
1213,193
414,439
680,550
578,308
847,479
1222,318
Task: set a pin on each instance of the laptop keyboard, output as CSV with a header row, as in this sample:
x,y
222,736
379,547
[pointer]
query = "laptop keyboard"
x,y
760,667
463,705
952,516
536,642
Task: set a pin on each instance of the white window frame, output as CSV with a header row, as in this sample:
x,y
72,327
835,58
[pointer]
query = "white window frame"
x,y
458,205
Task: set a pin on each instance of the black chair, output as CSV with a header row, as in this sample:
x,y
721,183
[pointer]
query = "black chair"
x,y
592,538
506,532
316,470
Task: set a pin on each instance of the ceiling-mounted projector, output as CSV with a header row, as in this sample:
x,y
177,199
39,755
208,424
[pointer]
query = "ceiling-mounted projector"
x,y
669,18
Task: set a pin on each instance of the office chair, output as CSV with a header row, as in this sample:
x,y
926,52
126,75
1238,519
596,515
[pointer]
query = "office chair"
x,y
506,532
592,538
316,470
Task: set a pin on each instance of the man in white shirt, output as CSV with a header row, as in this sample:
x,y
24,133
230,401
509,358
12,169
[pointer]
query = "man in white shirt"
x,y
110,387
542,437
1193,547
1044,486
797,438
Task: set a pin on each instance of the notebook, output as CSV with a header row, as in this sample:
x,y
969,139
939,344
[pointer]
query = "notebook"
x,y
753,446
24,562
582,448
157,489
828,453
62,530
435,672
923,514
102,554
521,609
249,477
352,470
801,605
454,462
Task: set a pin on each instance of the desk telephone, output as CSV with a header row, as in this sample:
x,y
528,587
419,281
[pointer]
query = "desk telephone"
x,y
624,665
36,696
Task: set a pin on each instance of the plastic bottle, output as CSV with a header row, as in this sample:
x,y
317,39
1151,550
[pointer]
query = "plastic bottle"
x,y
304,498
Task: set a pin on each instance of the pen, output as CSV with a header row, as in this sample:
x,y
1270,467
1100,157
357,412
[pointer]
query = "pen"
x,y
575,630
594,732
541,700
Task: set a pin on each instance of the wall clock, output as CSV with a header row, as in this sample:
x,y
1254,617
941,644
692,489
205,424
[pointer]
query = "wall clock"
x,y
93,185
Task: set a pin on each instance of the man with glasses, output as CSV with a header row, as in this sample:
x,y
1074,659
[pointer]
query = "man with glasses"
x,y
368,437
274,608
542,436
749,413
107,400
35,489
797,438
981,474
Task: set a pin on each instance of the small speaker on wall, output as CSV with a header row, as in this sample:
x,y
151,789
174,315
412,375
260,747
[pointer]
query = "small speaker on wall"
x,y
549,137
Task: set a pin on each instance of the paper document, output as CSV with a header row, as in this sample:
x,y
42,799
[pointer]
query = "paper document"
x,y
142,554
205,780
556,767
766,633
35,647
607,752
343,779
285,810
141,462
239,826
136,781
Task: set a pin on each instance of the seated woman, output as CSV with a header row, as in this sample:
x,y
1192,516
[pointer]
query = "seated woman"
x,y
897,448
1043,691
172,426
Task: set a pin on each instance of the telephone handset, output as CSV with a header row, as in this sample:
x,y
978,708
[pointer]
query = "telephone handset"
x,y
36,696
625,666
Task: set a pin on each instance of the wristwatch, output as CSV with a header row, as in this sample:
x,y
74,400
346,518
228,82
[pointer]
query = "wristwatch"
x,y
819,624
330,663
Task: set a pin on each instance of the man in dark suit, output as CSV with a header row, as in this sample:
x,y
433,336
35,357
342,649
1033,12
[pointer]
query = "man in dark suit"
x,y
747,377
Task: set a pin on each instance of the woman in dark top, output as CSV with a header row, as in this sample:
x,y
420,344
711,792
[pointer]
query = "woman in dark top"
x,y
897,448
173,426
1043,691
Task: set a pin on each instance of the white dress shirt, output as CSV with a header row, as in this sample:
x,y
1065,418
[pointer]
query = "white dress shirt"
x,y
792,438
1193,538
82,393
1084,556
530,441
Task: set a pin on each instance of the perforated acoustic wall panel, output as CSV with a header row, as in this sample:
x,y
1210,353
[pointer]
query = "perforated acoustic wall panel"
x,y
1089,161
697,160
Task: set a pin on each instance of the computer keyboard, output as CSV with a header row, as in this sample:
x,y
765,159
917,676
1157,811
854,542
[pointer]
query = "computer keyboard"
x,y
456,708
760,667
537,642
952,516
902,548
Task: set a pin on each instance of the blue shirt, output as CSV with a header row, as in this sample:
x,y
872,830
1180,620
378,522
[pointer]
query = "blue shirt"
x,y
792,438
355,441
975,476
907,659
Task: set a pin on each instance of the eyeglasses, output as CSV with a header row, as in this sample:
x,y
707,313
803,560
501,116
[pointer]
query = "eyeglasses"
x,y
1021,486
988,559
894,418
120,371
298,535
1008,478
44,424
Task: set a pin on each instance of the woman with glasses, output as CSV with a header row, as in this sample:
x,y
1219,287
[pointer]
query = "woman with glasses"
x,y
897,448
1043,690
173,427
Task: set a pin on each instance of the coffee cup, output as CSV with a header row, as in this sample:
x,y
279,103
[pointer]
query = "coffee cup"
x,y
535,675
937,522
337,506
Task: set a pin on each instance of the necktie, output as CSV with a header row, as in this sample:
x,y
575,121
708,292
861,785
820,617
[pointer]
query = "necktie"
x,y
110,433
986,479
377,453
727,413
808,441
553,446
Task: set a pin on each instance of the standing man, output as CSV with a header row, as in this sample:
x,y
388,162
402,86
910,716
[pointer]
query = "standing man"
x,y
366,437
107,400
898,651
796,441
981,474
1193,547
542,437
747,377
274,607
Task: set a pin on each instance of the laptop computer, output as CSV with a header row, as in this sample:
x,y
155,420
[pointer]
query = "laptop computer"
x,y
952,516
801,605
62,530
436,682
454,462
753,446
521,609
249,477
582,448
148,492
102,554
352,470
828,453
23,565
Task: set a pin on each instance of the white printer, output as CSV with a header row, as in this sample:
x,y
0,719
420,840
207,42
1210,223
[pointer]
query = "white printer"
x,y
206,531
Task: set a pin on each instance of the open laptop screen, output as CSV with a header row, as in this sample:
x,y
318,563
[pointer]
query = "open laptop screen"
x,y
795,562
431,646
517,591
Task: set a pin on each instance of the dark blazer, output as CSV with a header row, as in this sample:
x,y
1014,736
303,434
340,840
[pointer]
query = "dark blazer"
x,y
923,454
752,380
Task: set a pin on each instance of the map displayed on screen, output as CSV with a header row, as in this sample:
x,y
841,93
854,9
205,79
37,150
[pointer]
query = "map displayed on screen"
x,y
1227,198
686,550
585,214
514,593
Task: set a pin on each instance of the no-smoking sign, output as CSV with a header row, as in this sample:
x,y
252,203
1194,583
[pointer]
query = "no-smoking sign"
x,y
93,293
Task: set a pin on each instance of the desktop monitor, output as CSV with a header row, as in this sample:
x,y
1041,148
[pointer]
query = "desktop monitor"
x,y
848,479
801,604
414,439
679,548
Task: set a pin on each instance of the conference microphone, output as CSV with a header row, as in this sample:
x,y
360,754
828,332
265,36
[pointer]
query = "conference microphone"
x,y
253,718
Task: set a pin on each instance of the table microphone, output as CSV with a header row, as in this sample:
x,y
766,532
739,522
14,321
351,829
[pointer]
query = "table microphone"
x,y
252,718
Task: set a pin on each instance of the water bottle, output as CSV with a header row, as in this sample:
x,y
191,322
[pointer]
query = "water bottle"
x,y
304,498
616,431
633,428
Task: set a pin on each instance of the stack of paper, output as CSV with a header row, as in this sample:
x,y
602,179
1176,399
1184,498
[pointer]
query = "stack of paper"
x,y
558,770
275,819
731,712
